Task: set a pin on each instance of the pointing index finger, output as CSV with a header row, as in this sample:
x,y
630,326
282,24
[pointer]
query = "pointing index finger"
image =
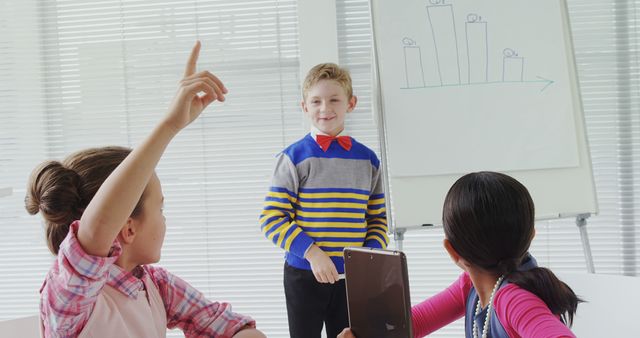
x,y
193,60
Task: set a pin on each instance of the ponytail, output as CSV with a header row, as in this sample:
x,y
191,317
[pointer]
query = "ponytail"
x,y
558,296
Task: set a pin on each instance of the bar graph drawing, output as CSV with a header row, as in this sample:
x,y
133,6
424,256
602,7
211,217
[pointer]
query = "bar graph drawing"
x,y
443,28
512,66
414,71
477,49
441,23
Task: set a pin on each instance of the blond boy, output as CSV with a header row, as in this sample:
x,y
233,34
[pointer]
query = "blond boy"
x,y
326,194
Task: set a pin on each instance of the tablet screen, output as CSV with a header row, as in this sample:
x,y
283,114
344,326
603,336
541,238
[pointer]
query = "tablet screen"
x,y
377,293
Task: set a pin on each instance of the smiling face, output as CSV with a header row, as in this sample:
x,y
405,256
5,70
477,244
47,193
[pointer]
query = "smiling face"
x,y
326,104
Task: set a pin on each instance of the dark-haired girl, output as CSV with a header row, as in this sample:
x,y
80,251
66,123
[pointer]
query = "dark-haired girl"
x,y
488,221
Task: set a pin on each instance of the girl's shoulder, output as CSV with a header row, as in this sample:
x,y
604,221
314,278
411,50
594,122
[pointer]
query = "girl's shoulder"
x,y
524,314
167,283
158,275
511,295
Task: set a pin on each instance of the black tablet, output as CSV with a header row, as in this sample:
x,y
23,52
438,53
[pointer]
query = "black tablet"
x,y
378,293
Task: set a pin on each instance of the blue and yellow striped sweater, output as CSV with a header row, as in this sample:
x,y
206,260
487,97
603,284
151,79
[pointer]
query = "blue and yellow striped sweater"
x,y
334,199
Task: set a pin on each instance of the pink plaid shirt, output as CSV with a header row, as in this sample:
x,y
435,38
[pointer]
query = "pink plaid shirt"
x,y
75,280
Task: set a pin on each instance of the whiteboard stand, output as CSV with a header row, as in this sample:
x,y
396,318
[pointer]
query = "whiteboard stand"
x,y
398,233
398,237
581,222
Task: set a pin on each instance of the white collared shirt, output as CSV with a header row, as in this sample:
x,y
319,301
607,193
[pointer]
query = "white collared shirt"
x,y
315,131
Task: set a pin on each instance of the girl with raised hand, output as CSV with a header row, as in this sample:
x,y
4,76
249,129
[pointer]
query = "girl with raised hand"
x,y
104,222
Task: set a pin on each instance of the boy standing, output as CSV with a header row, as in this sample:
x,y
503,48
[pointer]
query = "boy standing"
x,y
326,194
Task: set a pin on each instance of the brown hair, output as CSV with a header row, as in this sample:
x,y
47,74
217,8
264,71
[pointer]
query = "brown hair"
x,y
61,191
327,71
489,218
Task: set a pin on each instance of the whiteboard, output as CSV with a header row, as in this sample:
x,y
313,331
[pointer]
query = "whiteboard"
x,y
467,85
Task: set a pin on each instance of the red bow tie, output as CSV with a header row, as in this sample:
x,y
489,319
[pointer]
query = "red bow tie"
x,y
325,141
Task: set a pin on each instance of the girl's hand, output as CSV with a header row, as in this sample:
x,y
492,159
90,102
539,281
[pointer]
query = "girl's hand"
x,y
346,333
110,209
188,103
249,333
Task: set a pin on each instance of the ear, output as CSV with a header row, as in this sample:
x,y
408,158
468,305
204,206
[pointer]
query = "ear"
x,y
352,103
533,235
128,232
455,257
303,104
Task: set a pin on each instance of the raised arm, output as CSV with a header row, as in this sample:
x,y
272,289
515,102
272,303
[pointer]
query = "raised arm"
x,y
111,206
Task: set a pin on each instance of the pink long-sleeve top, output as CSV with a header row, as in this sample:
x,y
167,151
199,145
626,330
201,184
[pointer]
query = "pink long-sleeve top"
x,y
521,313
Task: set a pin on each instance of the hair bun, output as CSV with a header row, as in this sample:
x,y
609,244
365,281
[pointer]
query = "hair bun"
x,y
53,190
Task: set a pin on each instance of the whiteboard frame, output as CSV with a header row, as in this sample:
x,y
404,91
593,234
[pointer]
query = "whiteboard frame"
x,y
407,206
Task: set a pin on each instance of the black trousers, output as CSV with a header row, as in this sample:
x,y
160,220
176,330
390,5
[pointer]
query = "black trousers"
x,y
311,304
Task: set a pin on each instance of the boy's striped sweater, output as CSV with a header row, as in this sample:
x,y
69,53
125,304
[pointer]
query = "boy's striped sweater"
x,y
334,199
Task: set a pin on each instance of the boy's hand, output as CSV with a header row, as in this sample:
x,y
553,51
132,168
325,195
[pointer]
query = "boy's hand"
x,y
321,265
346,333
187,104
249,333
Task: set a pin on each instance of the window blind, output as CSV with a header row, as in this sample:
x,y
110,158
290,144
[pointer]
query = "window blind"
x,y
24,257
101,73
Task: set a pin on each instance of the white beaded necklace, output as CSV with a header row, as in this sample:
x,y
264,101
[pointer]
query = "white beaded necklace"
x,y
485,330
